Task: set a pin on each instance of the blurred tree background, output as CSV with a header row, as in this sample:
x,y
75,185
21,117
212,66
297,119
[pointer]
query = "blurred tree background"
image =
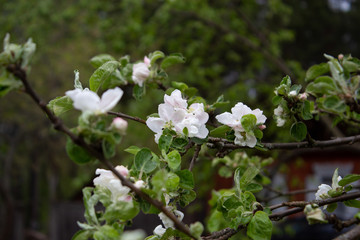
x,y
240,49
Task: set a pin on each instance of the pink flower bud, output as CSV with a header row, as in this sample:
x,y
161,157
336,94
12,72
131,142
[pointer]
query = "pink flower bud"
x,y
119,124
147,61
341,56
303,96
262,127
122,170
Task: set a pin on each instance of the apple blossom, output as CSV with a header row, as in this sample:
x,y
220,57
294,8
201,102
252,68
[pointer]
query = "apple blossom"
x,y
88,101
108,180
323,189
279,112
167,222
233,120
141,72
174,115
119,124
292,93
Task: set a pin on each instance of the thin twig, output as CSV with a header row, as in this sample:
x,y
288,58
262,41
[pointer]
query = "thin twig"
x,y
353,234
288,146
96,152
195,156
123,115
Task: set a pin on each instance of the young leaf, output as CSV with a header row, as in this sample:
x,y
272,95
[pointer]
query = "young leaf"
x,y
77,153
60,105
138,92
133,150
174,159
101,74
298,131
248,122
171,60
186,179
165,142
220,131
349,179
144,161
100,59
260,227
316,70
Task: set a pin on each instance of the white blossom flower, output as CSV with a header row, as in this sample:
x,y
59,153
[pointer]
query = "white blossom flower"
x,y
279,116
233,120
174,115
141,71
292,93
108,180
88,101
139,184
167,222
323,189
119,124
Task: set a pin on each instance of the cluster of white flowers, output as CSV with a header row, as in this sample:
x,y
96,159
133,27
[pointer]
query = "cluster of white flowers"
x,y
279,116
141,72
323,189
233,120
89,102
108,180
175,115
167,222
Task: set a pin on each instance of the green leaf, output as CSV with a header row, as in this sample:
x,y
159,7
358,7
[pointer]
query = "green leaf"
x,y
186,179
174,159
121,210
306,110
295,88
196,229
349,179
171,60
144,161
101,74
253,187
179,143
165,142
99,60
260,227
331,207
242,180
220,131
106,232
248,122
298,131
82,235
190,92
77,153
89,203
133,150
187,197
334,103
276,100
28,51
286,81
216,221
155,56
108,147
139,92
172,181
179,85
352,203
60,105
322,86
316,70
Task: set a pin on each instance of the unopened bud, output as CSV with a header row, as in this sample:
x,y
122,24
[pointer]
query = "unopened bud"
x,y
120,125
147,61
341,56
262,127
303,96
122,170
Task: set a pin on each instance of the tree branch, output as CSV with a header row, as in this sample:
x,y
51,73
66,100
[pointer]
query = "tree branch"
x,y
119,114
288,146
353,234
195,156
58,125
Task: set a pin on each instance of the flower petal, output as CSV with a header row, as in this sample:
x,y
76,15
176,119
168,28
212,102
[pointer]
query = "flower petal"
x,y
110,98
87,101
155,124
227,119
